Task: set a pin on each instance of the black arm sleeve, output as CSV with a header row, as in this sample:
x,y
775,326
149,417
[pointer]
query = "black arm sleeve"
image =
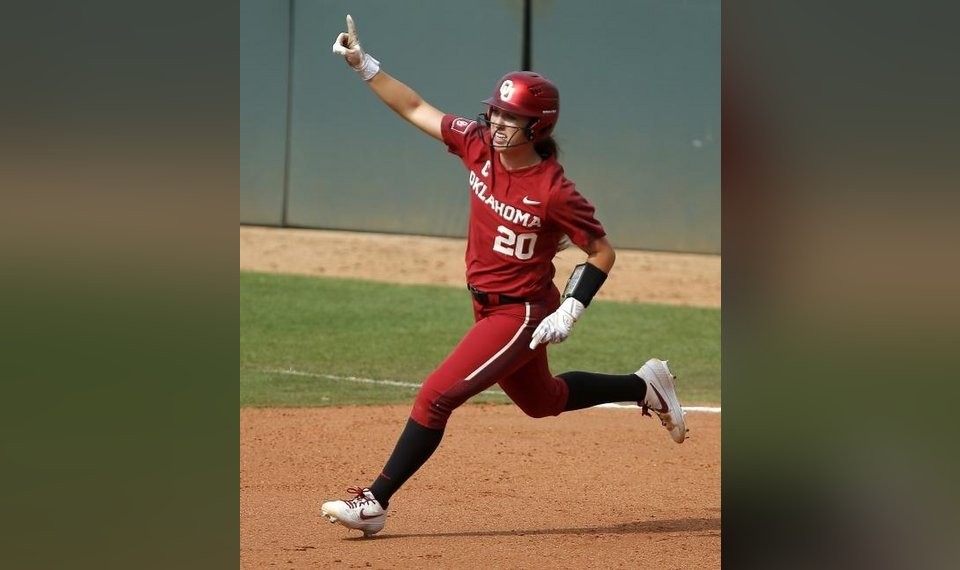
x,y
584,283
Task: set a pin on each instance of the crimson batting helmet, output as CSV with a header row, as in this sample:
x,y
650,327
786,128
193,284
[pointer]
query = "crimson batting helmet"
x,y
528,94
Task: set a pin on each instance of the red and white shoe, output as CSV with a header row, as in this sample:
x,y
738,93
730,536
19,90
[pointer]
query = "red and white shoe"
x,y
661,397
362,512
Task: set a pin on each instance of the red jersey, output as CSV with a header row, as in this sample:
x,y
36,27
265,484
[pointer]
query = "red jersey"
x,y
517,218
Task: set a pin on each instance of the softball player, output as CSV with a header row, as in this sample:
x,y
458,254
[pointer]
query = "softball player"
x,y
521,207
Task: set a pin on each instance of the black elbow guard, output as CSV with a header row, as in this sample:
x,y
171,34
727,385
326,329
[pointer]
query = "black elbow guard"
x,y
584,283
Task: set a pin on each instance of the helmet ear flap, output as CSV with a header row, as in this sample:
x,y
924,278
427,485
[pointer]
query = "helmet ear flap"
x,y
529,128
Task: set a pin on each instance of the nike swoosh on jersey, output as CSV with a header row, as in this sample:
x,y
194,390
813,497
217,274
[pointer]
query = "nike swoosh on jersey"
x,y
530,202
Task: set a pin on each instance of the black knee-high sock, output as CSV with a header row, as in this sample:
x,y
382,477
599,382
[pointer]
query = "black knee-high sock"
x,y
589,389
415,446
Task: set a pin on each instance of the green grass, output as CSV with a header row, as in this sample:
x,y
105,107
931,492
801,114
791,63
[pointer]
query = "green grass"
x,y
296,332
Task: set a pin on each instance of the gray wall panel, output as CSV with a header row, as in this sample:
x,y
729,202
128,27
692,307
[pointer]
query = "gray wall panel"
x,y
639,127
640,114
354,163
264,47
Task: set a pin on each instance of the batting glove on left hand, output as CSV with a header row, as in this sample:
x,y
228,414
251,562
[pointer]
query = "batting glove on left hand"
x,y
558,326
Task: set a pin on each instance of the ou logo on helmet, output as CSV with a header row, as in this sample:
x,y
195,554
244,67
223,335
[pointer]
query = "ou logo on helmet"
x,y
507,90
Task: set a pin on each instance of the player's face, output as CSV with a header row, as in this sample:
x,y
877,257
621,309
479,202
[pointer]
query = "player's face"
x,y
506,129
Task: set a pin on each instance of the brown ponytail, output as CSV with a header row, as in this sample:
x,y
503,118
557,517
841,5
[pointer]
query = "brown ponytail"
x,y
547,148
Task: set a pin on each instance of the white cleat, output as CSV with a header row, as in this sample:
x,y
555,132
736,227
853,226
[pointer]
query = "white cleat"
x,y
363,512
661,397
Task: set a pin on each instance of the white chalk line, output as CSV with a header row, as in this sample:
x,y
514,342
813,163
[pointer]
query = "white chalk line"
x,y
413,385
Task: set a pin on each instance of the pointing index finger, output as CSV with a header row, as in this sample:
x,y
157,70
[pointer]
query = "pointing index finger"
x,y
352,31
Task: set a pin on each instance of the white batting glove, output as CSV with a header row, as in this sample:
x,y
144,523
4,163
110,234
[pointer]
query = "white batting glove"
x,y
558,326
348,45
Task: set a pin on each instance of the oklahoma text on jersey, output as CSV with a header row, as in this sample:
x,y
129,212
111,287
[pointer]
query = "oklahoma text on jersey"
x,y
505,211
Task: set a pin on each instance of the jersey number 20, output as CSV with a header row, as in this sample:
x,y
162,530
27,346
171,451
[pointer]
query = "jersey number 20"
x,y
513,244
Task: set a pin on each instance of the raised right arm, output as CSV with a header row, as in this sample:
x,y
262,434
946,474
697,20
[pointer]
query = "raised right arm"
x,y
407,103
394,93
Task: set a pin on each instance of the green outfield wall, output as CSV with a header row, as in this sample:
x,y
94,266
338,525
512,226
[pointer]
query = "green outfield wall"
x,y
639,128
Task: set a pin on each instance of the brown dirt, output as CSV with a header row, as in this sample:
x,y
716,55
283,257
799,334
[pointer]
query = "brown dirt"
x,y
594,488
599,488
639,276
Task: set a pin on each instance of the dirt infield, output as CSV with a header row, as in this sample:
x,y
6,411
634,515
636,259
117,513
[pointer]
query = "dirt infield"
x,y
597,488
639,276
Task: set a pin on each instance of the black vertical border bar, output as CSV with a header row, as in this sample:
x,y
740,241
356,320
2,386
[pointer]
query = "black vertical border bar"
x,y
527,33
286,153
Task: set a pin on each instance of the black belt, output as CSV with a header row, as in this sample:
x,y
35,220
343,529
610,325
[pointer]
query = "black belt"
x,y
493,298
